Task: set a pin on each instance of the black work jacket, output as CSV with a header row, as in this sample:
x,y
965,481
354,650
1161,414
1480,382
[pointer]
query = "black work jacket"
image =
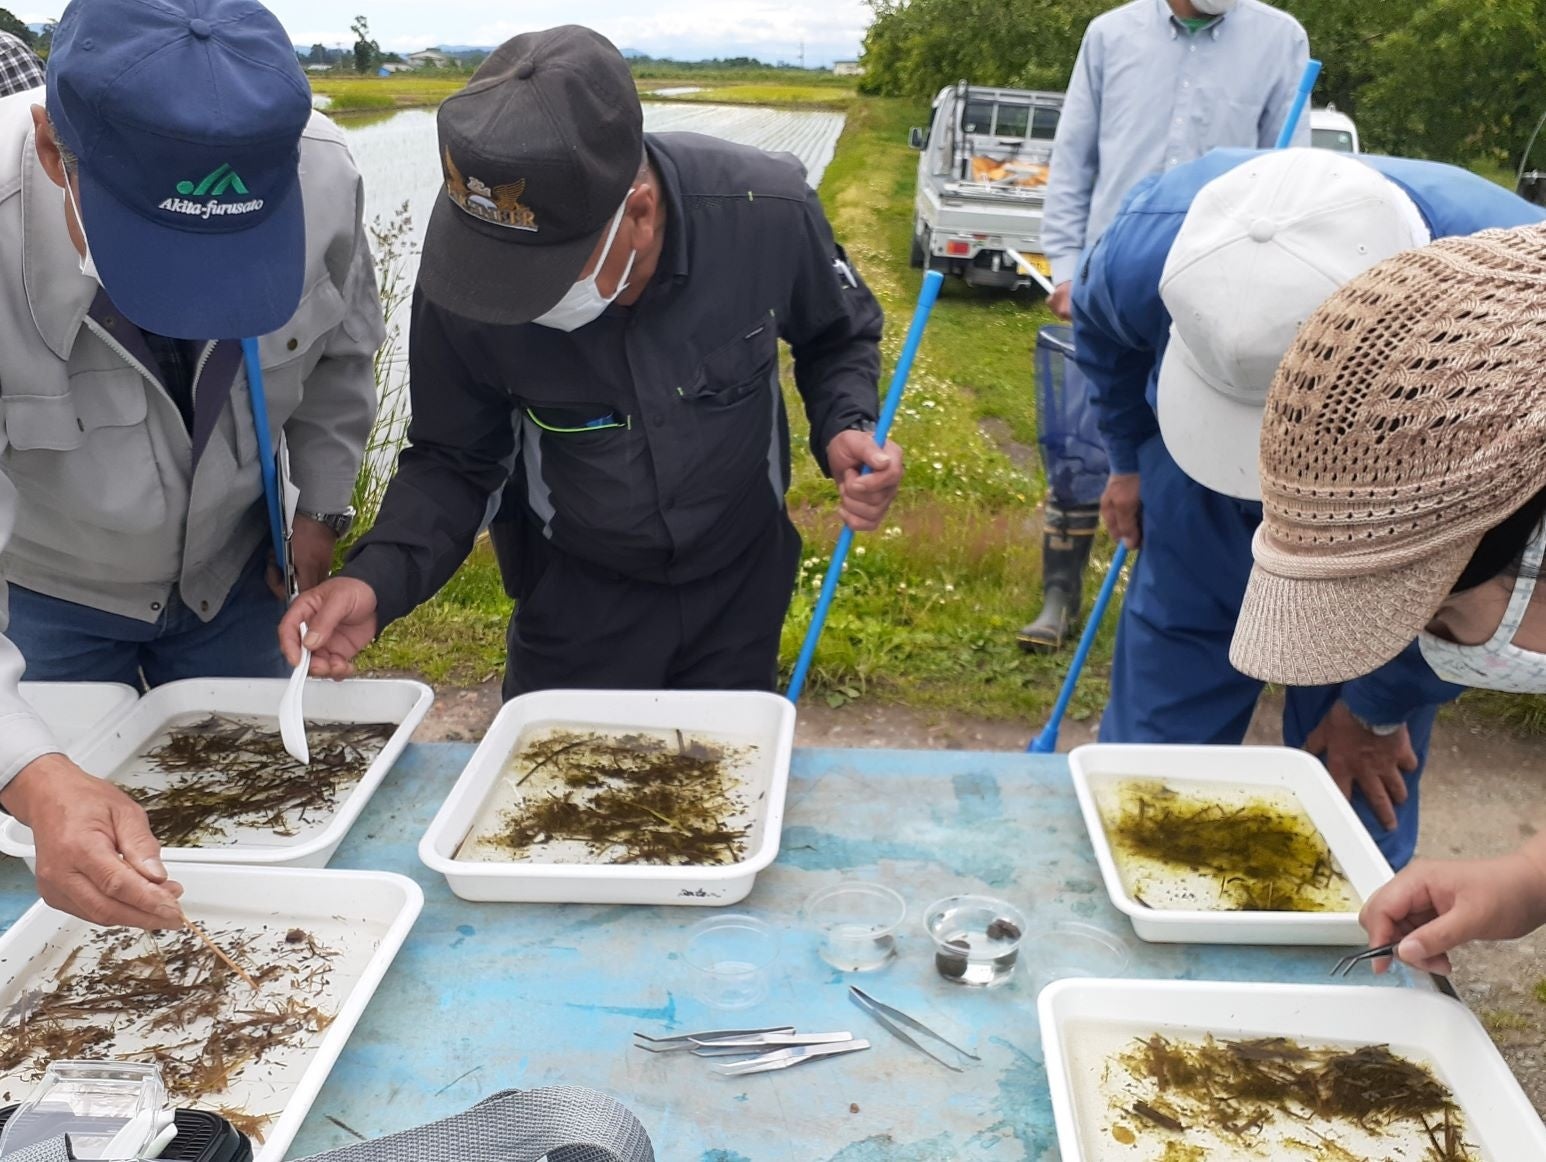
x,y
652,441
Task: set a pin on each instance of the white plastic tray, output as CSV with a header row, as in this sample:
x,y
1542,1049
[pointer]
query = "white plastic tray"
x,y
365,916
355,700
1251,766
766,719
1499,1117
76,710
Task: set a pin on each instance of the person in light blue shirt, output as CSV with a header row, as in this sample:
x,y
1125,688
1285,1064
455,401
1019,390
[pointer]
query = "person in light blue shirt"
x,y
1182,312
1157,84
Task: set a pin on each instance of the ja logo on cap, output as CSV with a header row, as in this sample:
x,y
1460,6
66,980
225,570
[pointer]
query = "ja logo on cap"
x,y
215,184
500,205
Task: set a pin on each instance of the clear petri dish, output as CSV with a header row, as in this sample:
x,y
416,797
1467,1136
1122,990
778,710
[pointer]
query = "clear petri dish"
x,y
856,923
976,939
731,957
1071,948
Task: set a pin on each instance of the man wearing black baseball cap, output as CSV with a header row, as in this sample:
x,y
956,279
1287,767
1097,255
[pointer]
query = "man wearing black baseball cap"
x,y
619,296
170,195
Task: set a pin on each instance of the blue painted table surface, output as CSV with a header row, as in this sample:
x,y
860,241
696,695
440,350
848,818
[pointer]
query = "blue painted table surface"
x,y
485,997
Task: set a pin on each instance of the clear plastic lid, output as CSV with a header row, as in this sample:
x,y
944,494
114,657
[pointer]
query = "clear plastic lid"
x,y
109,1109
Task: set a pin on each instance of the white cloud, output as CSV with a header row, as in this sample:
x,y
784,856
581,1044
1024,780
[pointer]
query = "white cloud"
x,y
689,28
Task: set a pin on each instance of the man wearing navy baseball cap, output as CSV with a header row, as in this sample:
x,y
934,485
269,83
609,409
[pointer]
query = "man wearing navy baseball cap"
x,y
169,195
620,296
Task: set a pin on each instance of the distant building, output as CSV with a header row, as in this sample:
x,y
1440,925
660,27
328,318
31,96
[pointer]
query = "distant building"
x,y
387,70
319,68
847,69
430,58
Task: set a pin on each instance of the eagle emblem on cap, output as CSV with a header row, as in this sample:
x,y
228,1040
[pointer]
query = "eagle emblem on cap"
x,y
500,205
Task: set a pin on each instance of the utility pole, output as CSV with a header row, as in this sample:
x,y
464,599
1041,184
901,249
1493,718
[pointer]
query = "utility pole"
x,y
802,54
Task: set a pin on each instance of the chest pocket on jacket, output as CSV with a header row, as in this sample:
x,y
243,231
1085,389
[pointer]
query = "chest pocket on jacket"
x,y
86,455
737,369
288,356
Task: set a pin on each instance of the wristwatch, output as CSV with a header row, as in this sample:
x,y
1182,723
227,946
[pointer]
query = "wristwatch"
x,y
339,522
1380,729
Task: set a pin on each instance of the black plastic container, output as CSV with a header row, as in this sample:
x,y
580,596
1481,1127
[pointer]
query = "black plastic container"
x,y
201,1137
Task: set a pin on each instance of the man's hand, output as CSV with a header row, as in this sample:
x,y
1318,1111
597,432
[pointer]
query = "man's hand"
x,y
1061,301
864,499
96,856
1121,510
312,543
340,617
1433,907
1357,756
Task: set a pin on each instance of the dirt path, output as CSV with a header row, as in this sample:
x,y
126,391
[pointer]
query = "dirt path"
x,y
1483,793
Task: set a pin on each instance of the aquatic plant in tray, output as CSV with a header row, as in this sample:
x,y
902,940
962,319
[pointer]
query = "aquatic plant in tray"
x,y
589,794
212,779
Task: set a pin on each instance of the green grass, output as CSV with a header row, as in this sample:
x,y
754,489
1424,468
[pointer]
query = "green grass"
x,y
928,606
784,96
398,91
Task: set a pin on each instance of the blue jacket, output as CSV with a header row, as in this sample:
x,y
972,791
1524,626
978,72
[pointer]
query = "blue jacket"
x,y
1121,327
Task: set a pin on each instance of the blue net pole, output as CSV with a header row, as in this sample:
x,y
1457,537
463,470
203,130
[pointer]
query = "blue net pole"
x,y
927,294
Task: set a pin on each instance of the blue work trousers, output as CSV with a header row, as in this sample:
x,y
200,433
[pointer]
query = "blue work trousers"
x,y
65,642
1171,681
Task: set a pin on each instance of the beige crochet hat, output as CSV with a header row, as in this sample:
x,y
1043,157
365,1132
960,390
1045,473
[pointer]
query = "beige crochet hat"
x,y
1408,419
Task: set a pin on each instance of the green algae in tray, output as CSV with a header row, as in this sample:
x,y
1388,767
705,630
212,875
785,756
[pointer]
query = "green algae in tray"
x,y
1184,1096
585,794
216,779
1206,846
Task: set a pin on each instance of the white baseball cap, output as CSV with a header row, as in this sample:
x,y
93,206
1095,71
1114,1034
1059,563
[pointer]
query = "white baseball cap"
x,y
1260,249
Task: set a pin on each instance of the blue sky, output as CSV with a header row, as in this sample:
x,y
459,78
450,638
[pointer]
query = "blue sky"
x,y
689,29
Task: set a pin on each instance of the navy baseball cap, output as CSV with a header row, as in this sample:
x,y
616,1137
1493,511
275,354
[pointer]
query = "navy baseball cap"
x,y
186,116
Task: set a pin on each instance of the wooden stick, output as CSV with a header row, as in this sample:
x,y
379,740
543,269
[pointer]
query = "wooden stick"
x,y
215,948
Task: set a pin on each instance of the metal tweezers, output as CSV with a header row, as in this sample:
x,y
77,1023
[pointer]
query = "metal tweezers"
x,y
898,1022
784,1058
741,1046
688,1041
1348,963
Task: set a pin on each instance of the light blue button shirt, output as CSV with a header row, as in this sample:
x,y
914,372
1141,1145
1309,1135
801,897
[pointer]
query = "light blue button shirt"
x,y
1148,95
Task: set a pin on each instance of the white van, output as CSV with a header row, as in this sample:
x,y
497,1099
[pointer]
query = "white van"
x,y
1332,130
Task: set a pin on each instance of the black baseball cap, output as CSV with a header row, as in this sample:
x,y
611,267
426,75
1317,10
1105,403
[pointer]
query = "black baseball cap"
x,y
539,151
186,116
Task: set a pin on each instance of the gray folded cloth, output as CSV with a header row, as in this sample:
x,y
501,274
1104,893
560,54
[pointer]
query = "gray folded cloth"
x,y
560,1124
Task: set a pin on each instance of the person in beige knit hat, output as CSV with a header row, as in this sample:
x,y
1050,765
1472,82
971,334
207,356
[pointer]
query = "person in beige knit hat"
x,y
1403,470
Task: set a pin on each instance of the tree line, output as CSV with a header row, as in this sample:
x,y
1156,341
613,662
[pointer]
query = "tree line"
x,y
1454,80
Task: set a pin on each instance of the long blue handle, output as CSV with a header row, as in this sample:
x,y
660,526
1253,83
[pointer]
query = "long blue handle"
x,y
1312,72
1047,741
268,466
927,294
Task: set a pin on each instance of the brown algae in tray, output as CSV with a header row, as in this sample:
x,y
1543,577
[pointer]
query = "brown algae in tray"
x,y
1220,847
1179,1098
165,998
584,794
207,776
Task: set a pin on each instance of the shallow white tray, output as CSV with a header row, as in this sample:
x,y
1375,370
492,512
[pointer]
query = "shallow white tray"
x,y
76,710
355,700
363,915
1250,766
1499,1117
766,719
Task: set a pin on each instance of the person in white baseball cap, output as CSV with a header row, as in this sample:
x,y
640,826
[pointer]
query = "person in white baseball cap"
x,y
1258,251
1183,311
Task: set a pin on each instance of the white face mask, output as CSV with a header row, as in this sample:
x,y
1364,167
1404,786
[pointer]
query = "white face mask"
x,y
88,267
583,302
1496,664
1213,7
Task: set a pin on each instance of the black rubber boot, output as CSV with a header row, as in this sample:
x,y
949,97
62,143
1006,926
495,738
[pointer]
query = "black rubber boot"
x,y
1065,551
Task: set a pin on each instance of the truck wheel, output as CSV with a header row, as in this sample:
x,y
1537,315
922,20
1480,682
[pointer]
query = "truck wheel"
x,y
916,257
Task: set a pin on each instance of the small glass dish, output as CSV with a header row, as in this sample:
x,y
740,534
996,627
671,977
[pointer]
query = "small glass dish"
x,y
731,957
976,939
1070,949
856,922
